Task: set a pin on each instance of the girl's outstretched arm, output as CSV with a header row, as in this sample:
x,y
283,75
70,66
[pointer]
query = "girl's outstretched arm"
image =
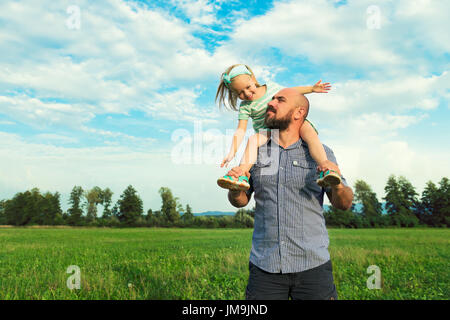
x,y
237,140
318,88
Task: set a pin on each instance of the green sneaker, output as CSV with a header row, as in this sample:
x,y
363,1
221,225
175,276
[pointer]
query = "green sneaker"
x,y
227,182
328,178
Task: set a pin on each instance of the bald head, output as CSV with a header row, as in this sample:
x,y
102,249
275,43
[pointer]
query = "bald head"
x,y
287,107
296,99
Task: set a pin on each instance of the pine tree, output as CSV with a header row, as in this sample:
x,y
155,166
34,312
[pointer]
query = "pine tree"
x,y
75,212
130,207
371,207
401,201
188,215
106,197
434,207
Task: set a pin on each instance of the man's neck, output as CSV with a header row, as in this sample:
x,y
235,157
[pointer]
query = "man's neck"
x,y
289,136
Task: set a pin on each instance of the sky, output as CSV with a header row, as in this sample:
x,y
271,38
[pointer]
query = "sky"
x,y
117,93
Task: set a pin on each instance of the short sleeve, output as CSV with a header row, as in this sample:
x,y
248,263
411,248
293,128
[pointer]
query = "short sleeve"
x,y
250,181
244,111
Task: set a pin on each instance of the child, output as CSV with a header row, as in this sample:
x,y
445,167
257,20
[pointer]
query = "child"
x,y
238,81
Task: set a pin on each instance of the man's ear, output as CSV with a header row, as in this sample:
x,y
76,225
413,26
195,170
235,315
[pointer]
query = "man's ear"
x,y
299,113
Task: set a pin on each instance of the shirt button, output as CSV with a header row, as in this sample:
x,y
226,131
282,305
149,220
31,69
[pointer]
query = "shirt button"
x,y
282,242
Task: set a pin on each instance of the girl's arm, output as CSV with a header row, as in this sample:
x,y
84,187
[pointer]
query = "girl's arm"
x,y
237,140
318,88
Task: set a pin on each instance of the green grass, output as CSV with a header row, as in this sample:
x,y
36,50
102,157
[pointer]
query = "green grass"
x,y
208,263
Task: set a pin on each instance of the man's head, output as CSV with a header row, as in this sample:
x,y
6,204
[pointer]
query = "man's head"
x,y
287,107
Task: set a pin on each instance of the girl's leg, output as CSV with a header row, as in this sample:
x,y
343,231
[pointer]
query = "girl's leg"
x,y
251,150
317,151
309,134
249,158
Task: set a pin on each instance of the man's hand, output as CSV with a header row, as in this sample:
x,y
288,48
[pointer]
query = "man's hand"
x,y
238,198
341,196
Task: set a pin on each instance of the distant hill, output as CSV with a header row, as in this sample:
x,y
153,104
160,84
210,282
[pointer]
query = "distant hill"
x,y
358,207
215,213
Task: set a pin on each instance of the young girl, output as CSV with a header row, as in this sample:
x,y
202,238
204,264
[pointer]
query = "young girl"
x,y
238,81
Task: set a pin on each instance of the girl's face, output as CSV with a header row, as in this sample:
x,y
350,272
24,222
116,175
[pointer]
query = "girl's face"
x,y
244,86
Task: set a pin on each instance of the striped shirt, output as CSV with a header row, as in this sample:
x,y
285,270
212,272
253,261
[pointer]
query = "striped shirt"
x,y
289,230
256,109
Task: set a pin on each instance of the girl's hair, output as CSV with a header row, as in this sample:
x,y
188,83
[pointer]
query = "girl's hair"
x,y
227,96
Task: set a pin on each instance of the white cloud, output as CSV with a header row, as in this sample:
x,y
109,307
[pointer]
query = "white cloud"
x,y
380,124
55,138
123,55
36,113
7,123
199,11
338,36
399,95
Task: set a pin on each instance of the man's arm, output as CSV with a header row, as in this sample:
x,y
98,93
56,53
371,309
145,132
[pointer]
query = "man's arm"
x,y
341,197
238,199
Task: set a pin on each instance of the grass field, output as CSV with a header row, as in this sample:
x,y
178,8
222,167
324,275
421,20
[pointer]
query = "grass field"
x,y
208,263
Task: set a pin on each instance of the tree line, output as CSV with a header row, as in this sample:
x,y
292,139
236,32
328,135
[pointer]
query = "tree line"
x,y
35,208
403,206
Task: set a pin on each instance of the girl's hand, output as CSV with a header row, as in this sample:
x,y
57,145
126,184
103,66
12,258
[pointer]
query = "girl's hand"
x,y
328,165
321,87
226,160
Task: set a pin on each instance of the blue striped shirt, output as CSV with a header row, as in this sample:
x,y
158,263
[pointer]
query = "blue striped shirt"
x,y
289,230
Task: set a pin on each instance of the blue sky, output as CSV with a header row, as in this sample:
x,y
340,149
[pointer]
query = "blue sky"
x,y
107,93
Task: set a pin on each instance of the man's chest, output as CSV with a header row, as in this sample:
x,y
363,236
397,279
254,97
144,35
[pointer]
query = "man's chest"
x,y
278,169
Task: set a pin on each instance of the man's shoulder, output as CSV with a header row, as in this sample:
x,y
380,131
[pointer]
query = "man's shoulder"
x,y
328,150
305,145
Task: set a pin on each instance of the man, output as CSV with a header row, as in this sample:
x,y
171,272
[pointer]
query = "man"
x,y
289,256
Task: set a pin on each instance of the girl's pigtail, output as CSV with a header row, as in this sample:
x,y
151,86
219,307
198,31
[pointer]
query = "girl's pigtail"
x,y
226,97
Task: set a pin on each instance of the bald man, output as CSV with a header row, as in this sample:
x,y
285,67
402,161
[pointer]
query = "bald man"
x,y
289,256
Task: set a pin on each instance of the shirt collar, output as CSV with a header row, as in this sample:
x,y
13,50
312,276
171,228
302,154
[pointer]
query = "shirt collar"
x,y
295,145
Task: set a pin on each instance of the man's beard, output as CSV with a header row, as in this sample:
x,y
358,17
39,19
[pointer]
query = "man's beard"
x,y
280,124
